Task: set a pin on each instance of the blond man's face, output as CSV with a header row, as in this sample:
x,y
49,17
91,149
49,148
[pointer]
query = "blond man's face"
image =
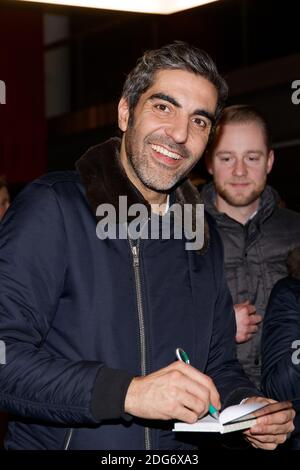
x,y
240,163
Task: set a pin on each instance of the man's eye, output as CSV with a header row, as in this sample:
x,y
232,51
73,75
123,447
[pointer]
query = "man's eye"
x,y
162,107
200,122
252,159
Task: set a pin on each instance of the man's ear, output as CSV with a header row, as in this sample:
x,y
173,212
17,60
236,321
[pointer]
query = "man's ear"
x,y
270,161
123,114
208,162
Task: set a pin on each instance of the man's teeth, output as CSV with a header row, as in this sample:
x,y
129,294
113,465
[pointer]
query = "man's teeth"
x,y
166,152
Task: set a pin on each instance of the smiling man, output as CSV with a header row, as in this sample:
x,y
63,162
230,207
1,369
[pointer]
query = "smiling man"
x,y
91,326
257,233
169,133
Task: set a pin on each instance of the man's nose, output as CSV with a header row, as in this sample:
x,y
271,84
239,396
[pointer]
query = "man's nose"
x,y
178,129
240,168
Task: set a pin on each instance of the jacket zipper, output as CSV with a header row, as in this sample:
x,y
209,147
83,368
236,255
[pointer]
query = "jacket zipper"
x,y
68,438
137,275
136,267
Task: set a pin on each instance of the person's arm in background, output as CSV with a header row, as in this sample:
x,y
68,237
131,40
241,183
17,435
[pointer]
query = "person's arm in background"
x,y
247,321
281,331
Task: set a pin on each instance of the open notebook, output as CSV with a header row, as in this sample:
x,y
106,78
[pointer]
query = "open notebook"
x,y
232,418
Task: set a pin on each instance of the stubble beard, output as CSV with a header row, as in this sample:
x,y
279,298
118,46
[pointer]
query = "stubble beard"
x,y
149,175
240,200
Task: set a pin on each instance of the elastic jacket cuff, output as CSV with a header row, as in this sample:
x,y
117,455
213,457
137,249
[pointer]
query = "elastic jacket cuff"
x,y
109,392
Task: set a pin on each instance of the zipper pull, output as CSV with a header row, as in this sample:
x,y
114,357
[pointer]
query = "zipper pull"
x,y
136,261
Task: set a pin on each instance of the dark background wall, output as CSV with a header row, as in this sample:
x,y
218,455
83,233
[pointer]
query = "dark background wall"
x,y
22,121
254,42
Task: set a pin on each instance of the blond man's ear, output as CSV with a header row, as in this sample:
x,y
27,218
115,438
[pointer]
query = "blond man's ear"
x,y
208,161
270,161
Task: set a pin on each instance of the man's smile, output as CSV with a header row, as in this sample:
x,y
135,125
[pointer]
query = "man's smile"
x,y
166,156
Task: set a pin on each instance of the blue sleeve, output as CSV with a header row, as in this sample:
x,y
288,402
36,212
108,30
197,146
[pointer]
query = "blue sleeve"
x,y
281,342
33,263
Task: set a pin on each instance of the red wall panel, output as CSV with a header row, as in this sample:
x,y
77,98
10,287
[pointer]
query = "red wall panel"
x,y
22,122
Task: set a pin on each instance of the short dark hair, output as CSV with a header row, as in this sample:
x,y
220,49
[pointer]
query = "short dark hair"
x,y
177,56
293,263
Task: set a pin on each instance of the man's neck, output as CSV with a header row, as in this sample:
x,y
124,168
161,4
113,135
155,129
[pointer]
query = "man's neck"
x,y
239,213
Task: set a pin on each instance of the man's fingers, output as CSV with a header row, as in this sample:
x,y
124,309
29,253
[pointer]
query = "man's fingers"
x,y
267,438
178,391
252,329
255,319
198,405
261,445
273,423
251,309
274,407
185,415
271,429
277,419
201,379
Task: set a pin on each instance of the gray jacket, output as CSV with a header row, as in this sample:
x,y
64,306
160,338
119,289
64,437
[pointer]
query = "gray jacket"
x,y
255,258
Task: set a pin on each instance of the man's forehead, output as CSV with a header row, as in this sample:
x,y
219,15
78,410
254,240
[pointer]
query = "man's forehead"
x,y
240,133
241,127
185,85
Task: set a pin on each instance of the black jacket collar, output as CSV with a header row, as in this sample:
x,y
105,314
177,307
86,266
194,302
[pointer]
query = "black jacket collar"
x,y
105,180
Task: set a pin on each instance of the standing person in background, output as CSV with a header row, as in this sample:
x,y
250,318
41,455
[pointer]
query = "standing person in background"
x,y
280,342
4,197
256,233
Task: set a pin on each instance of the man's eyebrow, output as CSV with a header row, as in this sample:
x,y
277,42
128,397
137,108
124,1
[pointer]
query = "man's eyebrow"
x,y
222,152
207,114
170,99
162,96
260,152
230,152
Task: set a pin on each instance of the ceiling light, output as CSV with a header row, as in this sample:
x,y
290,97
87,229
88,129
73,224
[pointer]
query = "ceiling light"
x,y
163,7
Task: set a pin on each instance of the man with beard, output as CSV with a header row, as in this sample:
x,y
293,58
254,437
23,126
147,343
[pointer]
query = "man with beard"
x,y
257,234
91,324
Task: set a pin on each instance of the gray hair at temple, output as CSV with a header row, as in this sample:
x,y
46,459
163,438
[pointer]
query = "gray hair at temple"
x,y
177,56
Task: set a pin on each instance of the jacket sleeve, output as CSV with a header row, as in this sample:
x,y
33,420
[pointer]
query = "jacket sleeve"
x,y
34,382
280,343
223,366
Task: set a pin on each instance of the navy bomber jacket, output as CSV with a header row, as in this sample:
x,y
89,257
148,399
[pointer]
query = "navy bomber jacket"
x,y
80,316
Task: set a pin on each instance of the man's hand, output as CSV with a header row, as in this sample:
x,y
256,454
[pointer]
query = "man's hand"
x,y
178,391
273,424
247,321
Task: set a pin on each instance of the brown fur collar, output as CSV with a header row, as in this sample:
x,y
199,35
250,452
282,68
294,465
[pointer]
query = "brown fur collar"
x,y
105,180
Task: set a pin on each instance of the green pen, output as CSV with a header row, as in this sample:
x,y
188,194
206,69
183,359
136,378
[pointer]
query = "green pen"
x,y
182,356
